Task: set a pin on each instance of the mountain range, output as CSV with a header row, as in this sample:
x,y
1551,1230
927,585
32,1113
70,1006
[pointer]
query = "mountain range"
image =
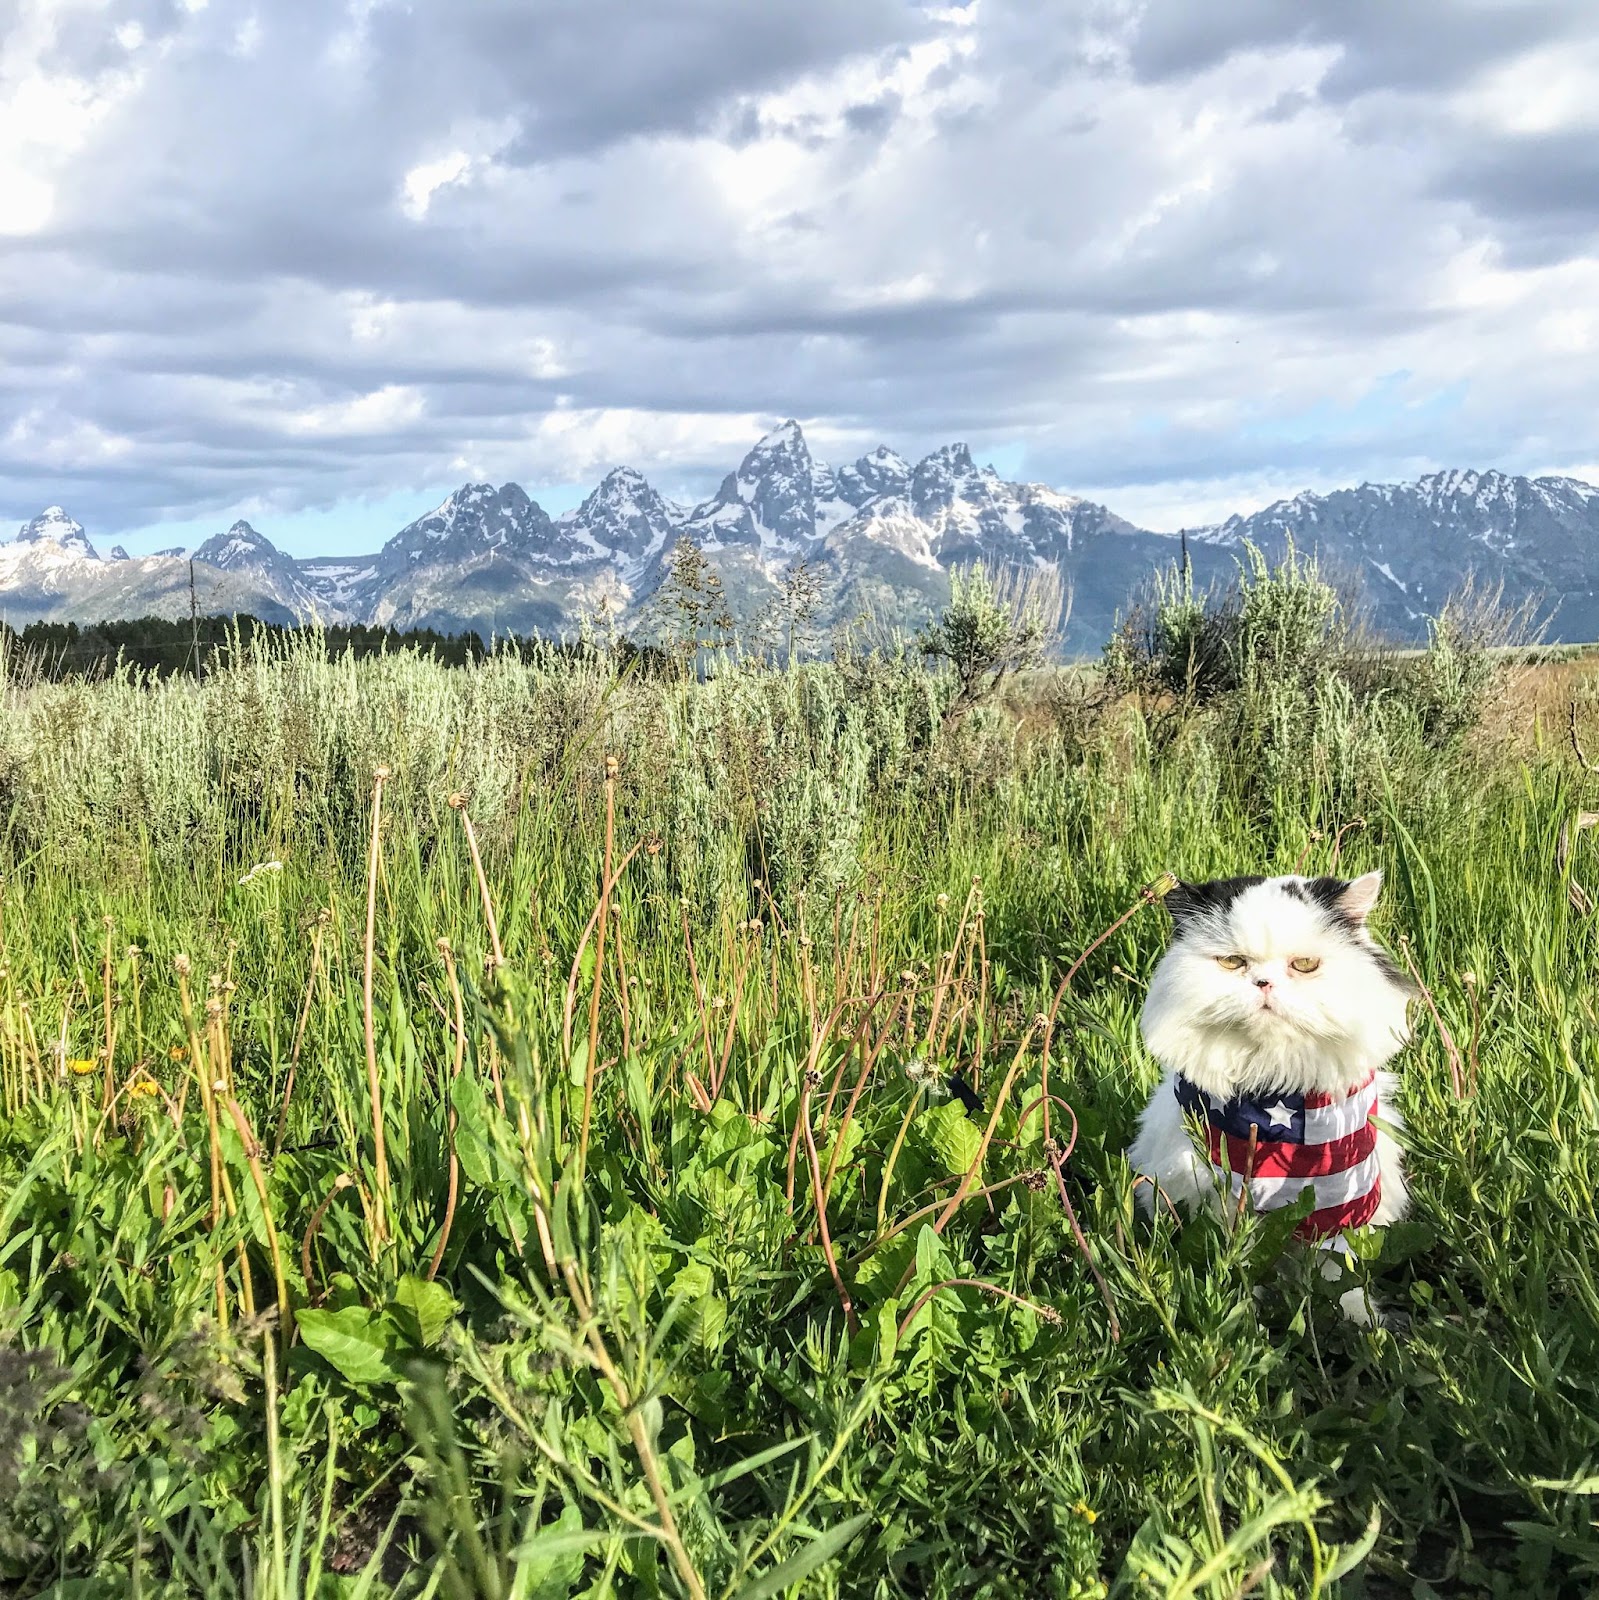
x,y
879,533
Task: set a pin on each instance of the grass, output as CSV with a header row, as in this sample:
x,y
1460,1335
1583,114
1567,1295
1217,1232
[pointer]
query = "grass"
x,y
527,1173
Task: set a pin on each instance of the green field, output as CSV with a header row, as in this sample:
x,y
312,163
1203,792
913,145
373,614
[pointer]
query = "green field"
x,y
371,1225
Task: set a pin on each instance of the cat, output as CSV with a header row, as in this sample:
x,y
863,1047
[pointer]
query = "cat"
x,y
1275,1015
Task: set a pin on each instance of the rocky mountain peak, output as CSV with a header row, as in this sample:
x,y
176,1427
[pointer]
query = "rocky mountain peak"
x,y
948,475
881,472
54,527
241,548
474,521
623,516
769,503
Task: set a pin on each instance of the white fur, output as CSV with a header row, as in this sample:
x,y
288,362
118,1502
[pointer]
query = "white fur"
x,y
1317,1032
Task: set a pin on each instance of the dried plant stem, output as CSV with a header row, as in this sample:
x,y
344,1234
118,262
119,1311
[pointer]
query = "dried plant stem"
x,y
1048,1313
340,1183
821,1205
892,1162
1017,1063
300,1025
457,803
963,1189
1148,895
868,1059
569,1007
455,1072
899,1227
252,1157
1451,1052
380,1157
591,1063
809,1071
108,1094
699,999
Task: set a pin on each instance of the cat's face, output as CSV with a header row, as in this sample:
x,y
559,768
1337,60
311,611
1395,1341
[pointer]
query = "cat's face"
x,y
1274,979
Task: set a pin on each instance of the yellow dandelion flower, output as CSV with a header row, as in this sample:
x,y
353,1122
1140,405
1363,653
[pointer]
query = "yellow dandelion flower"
x,y
82,1066
178,1052
1086,1511
143,1088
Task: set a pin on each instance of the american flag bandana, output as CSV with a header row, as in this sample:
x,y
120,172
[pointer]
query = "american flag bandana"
x,y
1323,1142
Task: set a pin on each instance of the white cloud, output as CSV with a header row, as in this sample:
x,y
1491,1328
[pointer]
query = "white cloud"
x,y
423,181
1183,258
392,406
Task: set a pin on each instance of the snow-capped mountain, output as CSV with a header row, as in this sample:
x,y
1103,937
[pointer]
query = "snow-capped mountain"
x,y
51,570
880,533
623,521
243,551
53,536
1412,545
768,505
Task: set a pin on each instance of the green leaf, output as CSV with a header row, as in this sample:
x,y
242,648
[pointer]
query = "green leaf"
x,y
1345,1558
357,1342
577,1068
951,1135
551,1561
429,1306
472,1140
1403,1240
932,1256
804,1562
1567,1485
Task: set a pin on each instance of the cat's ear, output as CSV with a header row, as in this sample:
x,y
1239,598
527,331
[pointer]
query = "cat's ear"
x,y
1184,901
1353,899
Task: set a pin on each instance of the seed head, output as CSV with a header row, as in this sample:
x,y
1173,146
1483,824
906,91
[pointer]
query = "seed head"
x,y
456,800
382,774
942,902
181,966
611,766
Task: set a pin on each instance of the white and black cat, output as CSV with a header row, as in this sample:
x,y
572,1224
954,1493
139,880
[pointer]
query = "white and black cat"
x,y
1275,1014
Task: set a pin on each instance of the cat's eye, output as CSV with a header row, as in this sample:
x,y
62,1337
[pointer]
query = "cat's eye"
x,y
1231,963
1305,963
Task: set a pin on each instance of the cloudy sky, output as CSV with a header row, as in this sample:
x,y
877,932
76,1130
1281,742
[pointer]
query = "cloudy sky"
x,y
315,262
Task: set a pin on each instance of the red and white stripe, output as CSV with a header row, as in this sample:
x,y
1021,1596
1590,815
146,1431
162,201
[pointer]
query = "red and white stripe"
x,y
1337,1161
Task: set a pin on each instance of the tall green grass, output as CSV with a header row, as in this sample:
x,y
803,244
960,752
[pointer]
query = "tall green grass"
x,y
788,1320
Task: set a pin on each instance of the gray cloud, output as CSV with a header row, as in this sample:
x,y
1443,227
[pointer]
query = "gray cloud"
x,y
297,254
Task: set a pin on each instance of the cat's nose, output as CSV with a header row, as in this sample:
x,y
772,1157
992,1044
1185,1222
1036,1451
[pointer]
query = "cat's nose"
x,y
1263,983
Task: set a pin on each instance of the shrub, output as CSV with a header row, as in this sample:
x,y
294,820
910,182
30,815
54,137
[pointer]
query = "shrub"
x,y
993,626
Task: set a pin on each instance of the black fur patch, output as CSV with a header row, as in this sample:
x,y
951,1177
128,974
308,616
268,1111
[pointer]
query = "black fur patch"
x,y
1190,900
1329,893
